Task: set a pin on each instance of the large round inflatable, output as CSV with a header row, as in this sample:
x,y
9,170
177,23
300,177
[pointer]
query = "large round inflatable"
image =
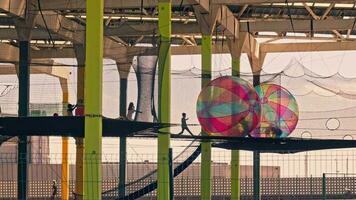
x,y
228,106
279,112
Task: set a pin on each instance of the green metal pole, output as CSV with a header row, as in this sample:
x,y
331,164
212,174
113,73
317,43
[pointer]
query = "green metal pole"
x,y
235,154
164,96
235,66
24,93
122,167
205,145
324,186
93,99
171,175
256,158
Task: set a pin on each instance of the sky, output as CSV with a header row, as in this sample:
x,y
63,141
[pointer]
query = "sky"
x,y
185,90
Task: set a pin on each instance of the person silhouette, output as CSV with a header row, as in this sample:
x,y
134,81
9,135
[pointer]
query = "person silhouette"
x,y
130,112
70,109
54,189
184,125
277,132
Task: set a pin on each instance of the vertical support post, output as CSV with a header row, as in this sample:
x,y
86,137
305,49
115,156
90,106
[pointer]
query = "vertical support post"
x,y
65,170
324,186
235,154
24,98
256,175
123,148
205,167
171,175
65,145
93,99
164,96
122,167
256,157
256,58
79,142
235,46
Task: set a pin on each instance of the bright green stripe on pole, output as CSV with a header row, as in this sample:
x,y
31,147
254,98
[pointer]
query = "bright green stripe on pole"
x,y
206,146
235,66
235,154
93,101
235,175
164,94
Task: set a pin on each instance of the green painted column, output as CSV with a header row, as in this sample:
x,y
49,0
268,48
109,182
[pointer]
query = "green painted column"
x,y
93,99
235,154
164,96
235,66
205,167
24,99
324,186
123,148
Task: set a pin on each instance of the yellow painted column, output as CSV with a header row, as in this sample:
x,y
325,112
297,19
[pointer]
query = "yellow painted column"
x,y
164,97
235,154
206,145
65,144
93,99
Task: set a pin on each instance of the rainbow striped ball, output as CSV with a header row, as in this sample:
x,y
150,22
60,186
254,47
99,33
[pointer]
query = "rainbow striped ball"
x,y
228,106
279,111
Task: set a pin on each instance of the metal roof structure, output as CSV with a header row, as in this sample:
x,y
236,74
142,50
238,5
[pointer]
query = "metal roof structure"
x,y
58,26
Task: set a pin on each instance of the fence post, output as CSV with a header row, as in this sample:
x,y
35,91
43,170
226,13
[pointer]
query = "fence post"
x,y
324,186
311,184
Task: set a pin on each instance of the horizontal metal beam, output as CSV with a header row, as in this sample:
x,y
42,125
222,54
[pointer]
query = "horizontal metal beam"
x,y
13,7
56,23
119,53
316,26
149,29
10,53
310,46
37,34
251,2
133,4
299,25
110,4
45,68
191,50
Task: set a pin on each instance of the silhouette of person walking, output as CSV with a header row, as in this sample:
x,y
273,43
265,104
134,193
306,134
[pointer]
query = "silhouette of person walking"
x,y
54,188
184,125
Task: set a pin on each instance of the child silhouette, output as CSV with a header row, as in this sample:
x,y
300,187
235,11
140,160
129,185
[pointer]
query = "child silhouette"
x,y
184,125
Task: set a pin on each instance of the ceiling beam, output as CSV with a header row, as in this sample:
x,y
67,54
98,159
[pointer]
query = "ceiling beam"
x,y
228,21
183,50
109,4
118,53
15,7
312,13
327,11
150,28
242,11
190,50
134,4
56,23
299,25
241,2
308,47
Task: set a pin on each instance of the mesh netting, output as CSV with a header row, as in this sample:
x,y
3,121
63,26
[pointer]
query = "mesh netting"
x,y
145,68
